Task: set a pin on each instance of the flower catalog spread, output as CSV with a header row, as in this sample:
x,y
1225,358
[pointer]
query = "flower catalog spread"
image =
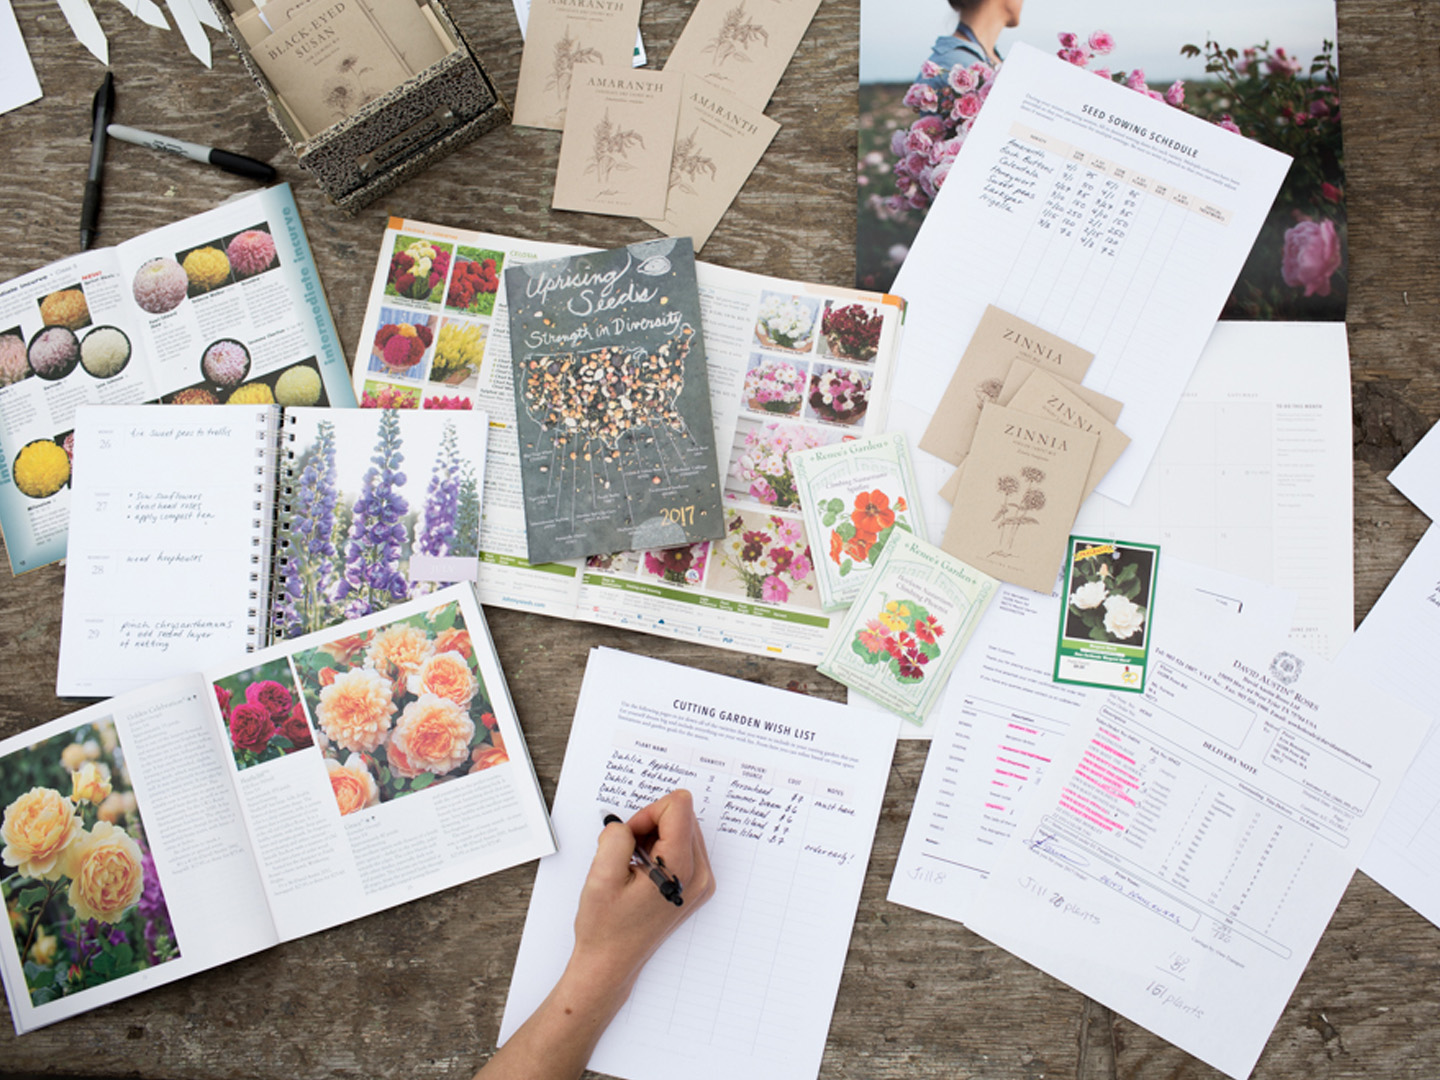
x,y
791,366
201,819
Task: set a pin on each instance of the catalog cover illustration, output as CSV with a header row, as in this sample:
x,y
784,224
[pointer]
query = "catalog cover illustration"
x,y
612,398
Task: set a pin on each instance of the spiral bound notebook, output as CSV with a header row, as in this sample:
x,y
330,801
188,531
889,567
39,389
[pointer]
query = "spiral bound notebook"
x,y
198,533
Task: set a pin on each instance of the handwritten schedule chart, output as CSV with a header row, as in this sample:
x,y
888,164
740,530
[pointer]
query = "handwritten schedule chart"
x,y
787,791
1109,219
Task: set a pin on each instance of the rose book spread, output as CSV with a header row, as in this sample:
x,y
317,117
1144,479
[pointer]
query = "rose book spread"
x,y
201,819
223,307
197,534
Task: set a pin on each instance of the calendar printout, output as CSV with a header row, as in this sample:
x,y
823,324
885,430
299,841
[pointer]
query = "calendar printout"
x,y
1112,220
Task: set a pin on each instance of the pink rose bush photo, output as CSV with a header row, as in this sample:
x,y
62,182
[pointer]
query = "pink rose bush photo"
x,y
910,138
264,719
399,709
81,891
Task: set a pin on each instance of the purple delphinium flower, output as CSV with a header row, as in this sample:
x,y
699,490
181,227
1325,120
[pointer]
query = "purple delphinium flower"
x,y
372,579
310,570
442,499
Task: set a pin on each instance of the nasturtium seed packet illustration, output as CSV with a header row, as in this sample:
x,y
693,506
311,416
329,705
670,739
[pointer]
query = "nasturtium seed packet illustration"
x,y
612,401
1105,616
904,633
855,496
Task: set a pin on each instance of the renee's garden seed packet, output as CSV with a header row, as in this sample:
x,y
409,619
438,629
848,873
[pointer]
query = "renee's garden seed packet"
x,y
612,401
854,497
1105,620
907,628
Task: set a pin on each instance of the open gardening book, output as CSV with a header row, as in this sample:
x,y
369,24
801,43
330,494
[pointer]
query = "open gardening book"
x,y
198,534
225,306
287,792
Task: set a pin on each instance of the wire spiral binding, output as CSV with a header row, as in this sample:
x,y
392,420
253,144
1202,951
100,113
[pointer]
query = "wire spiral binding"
x,y
258,537
280,534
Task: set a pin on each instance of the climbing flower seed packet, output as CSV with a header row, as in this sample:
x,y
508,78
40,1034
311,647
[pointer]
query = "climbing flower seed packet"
x,y
855,496
904,633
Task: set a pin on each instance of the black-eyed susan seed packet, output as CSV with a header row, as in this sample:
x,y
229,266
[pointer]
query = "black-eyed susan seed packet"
x,y
902,636
1106,613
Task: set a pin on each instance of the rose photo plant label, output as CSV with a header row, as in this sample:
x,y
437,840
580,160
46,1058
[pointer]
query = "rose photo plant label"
x,y
1105,616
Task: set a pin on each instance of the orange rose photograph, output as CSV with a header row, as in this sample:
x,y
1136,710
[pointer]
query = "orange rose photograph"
x,y
399,709
80,887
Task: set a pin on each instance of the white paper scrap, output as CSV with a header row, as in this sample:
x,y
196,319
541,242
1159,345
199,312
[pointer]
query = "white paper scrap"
x,y
86,28
18,84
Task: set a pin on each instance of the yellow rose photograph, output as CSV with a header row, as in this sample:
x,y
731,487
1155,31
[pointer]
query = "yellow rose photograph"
x,y
399,709
80,887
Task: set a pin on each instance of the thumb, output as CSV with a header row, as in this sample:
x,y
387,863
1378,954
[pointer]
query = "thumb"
x,y
612,855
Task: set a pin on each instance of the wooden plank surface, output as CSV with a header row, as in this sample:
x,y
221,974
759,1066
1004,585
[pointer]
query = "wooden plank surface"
x,y
418,991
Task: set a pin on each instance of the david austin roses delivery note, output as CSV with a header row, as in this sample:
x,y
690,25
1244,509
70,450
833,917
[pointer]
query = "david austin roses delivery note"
x,y
202,819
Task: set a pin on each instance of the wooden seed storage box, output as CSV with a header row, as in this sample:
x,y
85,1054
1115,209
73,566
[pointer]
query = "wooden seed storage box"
x,y
397,135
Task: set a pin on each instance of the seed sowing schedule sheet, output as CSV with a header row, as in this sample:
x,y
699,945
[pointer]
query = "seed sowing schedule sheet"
x,y
1111,220
788,791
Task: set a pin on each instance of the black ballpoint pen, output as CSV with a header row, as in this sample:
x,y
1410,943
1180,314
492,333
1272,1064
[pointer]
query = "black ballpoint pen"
x,y
668,884
102,110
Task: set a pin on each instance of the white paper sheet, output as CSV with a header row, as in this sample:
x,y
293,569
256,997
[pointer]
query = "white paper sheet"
x,y
18,84
1182,856
1418,476
190,29
788,791
1254,473
1398,642
1003,720
1110,219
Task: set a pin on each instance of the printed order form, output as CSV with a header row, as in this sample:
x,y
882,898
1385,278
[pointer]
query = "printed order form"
x,y
1180,853
787,790
1109,219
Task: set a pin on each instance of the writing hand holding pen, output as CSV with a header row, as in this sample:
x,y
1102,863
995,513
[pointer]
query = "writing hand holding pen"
x,y
622,919
668,884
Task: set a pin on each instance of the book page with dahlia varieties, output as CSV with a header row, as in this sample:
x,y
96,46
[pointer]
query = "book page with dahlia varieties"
x,y
378,761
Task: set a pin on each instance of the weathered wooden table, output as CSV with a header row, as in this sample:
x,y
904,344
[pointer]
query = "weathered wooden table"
x,y
418,991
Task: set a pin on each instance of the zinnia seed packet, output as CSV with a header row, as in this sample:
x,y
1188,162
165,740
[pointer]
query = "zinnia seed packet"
x,y
854,497
1105,613
903,635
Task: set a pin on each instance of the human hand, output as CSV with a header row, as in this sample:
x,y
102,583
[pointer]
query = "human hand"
x,y
622,918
